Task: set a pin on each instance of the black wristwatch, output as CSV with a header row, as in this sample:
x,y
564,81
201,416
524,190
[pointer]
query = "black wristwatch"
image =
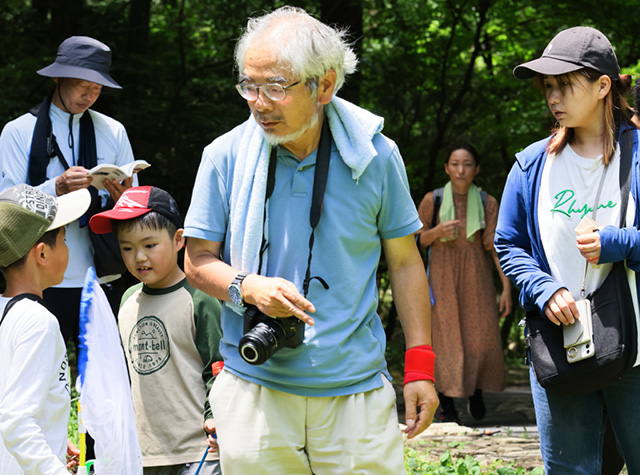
x,y
235,289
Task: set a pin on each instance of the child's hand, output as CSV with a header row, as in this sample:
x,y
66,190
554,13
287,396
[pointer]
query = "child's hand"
x,y
210,429
73,453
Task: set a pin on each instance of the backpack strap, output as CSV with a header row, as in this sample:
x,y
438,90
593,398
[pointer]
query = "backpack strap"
x,y
15,300
437,201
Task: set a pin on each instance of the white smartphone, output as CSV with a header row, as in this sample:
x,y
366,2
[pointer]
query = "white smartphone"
x,y
578,337
580,352
581,330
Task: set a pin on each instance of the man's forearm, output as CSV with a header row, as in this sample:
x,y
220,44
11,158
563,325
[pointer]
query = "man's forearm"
x,y
410,289
205,270
411,297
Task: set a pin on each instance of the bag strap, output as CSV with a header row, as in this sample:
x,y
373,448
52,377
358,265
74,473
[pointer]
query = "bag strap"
x,y
626,148
15,300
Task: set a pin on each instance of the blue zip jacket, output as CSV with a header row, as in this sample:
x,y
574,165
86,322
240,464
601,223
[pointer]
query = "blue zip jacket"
x,y
517,240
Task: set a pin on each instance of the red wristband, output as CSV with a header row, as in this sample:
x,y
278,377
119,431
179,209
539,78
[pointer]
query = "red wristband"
x,y
216,367
419,364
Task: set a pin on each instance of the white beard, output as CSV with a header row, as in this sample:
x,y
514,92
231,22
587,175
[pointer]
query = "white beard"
x,y
292,137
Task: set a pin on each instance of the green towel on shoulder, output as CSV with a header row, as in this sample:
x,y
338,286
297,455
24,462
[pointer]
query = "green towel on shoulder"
x,y
475,210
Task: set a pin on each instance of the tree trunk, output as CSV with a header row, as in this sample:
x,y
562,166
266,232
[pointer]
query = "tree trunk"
x,y
65,18
139,15
347,14
40,10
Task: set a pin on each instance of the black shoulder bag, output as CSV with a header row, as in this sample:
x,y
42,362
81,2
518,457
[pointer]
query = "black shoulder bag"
x,y
615,333
106,258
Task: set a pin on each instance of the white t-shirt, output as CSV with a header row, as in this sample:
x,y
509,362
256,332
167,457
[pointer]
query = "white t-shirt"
x,y
34,391
567,193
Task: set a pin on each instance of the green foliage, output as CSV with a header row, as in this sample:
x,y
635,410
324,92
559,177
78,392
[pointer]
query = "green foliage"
x,y
72,427
417,464
438,71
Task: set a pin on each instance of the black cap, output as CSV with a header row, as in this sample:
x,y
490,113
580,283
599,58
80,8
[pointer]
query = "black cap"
x,y
571,50
82,57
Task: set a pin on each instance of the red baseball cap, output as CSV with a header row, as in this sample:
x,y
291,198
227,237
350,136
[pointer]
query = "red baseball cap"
x,y
135,202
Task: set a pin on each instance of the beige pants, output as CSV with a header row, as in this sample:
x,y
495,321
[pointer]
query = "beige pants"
x,y
264,431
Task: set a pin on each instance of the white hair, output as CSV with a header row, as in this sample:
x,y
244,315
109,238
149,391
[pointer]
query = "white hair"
x,y
304,46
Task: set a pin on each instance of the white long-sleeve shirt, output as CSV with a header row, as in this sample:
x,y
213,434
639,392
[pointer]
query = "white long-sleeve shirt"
x,y
34,392
112,146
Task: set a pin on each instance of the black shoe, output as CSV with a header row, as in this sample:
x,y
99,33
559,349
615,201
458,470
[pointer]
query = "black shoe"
x,y
475,406
448,412
448,416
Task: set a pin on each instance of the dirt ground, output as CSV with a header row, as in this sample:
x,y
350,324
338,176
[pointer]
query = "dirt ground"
x,y
508,431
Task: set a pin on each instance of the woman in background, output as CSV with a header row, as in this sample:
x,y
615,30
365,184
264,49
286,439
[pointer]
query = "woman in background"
x,y
464,318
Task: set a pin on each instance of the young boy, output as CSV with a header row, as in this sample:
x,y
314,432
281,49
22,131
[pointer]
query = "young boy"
x,y
170,332
34,384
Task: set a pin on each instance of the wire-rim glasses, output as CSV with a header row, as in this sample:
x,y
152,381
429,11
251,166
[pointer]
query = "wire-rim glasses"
x,y
274,91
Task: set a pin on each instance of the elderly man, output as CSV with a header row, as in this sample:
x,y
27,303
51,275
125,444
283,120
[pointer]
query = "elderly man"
x,y
290,212
54,146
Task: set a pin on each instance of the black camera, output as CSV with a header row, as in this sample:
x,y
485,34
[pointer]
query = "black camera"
x,y
264,335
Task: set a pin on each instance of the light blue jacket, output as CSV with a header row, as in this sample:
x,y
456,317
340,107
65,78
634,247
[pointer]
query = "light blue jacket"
x,y
517,239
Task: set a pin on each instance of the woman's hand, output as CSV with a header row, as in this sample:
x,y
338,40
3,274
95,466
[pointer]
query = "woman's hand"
x,y
561,308
506,304
448,229
589,246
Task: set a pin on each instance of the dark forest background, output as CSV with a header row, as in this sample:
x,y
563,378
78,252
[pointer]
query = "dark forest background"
x,y
437,70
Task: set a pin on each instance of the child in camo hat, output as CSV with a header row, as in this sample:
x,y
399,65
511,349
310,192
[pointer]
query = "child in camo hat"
x,y
34,384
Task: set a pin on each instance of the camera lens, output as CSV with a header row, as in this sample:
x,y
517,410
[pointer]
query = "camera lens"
x,y
249,353
260,343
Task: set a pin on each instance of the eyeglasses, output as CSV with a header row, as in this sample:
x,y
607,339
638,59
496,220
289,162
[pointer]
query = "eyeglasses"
x,y
275,91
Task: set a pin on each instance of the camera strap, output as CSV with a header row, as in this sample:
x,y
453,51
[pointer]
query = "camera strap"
x,y
320,177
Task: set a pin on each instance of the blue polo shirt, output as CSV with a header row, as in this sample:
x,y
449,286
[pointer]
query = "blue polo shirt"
x,y
343,353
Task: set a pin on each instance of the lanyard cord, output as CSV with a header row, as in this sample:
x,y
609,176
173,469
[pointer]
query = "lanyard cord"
x,y
319,186
70,141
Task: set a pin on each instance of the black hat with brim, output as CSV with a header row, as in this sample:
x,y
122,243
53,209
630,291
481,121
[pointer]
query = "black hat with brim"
x,y
82,57
546,67
571,50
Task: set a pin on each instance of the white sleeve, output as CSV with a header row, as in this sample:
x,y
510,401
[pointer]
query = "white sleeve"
x,y
32,368
15,146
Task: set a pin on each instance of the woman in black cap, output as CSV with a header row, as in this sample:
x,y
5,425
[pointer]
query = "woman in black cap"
x,y
551,190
